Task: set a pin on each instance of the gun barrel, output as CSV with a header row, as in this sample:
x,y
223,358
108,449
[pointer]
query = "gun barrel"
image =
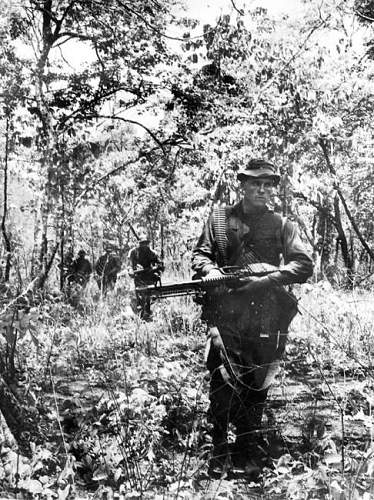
x,y
172,289
193,287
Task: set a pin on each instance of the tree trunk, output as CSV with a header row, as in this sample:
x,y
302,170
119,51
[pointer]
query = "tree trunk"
x,y
356,229
5,207
46,143
326,232
62,261
22,422
48,265
342,239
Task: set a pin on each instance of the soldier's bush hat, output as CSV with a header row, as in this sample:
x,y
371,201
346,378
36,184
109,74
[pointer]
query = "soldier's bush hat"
x,y
143,239
258,167
110,246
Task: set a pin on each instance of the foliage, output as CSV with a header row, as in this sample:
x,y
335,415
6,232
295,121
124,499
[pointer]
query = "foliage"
x,y
126,403
252,85
147,132
291,100
126,47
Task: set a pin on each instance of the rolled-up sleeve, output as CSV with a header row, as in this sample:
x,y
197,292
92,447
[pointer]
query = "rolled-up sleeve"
x,y
298,265
204,254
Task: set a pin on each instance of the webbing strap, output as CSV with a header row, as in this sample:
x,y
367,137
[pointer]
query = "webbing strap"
x,y
280,231
219,226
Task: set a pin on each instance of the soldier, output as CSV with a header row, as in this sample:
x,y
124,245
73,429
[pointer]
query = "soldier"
x,y
247,325
107,268
146,268
80,269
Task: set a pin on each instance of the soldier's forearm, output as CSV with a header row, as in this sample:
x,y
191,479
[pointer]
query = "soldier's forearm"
x,y
203,260
202,264
293,272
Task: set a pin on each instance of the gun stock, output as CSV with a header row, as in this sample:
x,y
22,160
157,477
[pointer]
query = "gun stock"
x,y
230,277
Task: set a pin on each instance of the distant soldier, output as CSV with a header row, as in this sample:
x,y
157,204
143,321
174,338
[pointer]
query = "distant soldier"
x,y
80,269
146,270
107,268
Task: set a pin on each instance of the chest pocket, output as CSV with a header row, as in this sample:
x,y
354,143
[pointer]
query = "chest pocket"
x,y
237,231
267,239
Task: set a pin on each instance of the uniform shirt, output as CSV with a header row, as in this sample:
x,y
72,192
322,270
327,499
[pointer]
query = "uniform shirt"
x,y
297,266
143,256
82,265
108,265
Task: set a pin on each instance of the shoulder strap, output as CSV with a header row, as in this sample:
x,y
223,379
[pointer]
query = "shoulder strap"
x,y
219,227
281,222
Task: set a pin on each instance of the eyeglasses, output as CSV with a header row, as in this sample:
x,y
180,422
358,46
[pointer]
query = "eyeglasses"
x,y
265,185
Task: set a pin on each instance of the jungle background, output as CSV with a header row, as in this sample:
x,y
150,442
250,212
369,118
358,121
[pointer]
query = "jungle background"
x,y
123,116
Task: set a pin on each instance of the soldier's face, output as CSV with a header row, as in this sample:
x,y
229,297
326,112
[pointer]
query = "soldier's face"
x,y
258,192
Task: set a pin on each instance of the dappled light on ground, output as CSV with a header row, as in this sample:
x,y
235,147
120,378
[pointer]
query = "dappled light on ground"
x,y
124,404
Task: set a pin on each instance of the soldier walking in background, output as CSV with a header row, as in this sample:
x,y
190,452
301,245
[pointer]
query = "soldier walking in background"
x,y
247,325
146,268
80,269
107,268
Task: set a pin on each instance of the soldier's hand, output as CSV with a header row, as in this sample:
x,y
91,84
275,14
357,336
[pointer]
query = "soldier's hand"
x,y
254,284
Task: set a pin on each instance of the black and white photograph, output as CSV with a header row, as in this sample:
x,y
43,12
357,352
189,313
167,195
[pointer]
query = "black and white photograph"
x,y
187,249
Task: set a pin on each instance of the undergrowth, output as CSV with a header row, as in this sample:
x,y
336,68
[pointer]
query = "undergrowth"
x,y
124,404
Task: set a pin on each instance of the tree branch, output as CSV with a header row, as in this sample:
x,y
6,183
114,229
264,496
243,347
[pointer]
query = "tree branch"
x,y
71,34
134,122
290,60
320,208
363,16
46,10
66,11
323,144
107,175
99,98
164,35
115,170
239,11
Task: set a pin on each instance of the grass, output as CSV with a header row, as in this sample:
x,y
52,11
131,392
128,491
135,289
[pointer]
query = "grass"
x,y
129,400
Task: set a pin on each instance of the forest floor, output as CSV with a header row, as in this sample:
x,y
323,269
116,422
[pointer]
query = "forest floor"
x,y
124,405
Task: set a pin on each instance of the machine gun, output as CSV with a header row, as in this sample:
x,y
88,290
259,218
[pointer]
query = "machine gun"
x,y
150,273
231,276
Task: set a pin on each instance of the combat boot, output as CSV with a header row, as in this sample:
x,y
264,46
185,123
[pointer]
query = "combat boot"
x,y
249,456
250,450
220,461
